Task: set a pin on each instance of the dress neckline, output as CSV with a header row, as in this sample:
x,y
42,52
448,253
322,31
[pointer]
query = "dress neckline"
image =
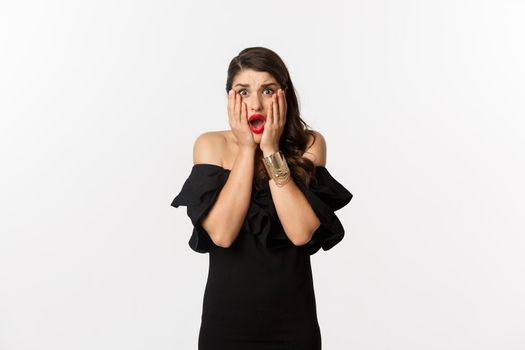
x,y
212,165
229,170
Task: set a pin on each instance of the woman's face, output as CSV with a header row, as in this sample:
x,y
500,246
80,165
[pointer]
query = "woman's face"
x,y
256,90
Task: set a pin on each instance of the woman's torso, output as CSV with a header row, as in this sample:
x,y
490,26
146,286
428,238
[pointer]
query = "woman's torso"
x,y
255,295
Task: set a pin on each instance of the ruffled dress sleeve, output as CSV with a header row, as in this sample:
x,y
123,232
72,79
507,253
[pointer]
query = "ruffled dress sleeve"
x,y
198,194
326,196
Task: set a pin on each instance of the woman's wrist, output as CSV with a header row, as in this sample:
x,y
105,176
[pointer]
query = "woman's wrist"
x,y
277,168
269,151
248,149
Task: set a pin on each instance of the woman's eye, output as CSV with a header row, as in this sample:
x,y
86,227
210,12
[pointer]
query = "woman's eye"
x,y
268,89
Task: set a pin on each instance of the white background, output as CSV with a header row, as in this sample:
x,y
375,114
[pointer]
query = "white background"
x,y
422,107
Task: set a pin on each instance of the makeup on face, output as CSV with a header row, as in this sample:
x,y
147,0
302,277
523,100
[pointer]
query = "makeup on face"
x,y
256,123
254,83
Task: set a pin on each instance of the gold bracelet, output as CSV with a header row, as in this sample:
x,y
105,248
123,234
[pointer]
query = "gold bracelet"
x,y
277,168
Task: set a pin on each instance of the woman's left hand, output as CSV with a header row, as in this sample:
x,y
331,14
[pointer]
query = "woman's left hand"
x,y
274,126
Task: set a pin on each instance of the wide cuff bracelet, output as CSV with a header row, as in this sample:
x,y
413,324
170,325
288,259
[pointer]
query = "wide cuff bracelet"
x,y
277,168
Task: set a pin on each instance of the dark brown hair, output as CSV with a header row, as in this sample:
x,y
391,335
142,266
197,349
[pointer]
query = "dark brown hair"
x,y
294,139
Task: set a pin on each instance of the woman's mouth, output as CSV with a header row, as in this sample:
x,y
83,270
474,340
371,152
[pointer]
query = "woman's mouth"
x,y
256,123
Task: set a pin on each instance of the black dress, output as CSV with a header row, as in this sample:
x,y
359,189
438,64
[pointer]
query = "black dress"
x,y
259,292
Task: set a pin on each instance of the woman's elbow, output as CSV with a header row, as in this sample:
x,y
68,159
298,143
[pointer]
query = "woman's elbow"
x,y
303,239
221,240
217,235
300,241
223,244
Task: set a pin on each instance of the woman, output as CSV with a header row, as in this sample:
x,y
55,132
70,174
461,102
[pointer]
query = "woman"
x,y
261,202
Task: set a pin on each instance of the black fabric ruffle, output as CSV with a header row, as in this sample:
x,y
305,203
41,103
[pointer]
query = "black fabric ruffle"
x,y
198,193
325,196
205,182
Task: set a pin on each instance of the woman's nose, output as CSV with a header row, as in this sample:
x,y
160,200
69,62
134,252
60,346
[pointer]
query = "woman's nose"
x,y
255,104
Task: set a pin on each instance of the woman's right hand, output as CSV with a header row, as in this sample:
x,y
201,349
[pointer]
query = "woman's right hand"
x,y
238,119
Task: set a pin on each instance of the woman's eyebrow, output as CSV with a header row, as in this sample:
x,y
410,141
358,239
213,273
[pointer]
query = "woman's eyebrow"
x,y
248,85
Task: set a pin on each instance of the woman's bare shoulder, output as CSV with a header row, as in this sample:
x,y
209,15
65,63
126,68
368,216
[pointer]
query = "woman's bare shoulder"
x,y
316,148
209,147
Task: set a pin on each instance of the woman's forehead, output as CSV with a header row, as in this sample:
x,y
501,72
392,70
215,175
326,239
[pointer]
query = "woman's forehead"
x,y
253,78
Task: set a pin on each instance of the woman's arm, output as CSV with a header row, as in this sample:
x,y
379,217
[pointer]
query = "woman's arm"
x,y
295,212
225,218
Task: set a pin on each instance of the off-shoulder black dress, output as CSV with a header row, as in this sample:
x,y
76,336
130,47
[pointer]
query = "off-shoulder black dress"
x,y
259,292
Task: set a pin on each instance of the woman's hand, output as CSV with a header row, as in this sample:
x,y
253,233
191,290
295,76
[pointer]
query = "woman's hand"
x,y
238,119
274,126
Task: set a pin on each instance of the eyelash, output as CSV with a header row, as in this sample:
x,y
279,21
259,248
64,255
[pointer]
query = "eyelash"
x,y
245,90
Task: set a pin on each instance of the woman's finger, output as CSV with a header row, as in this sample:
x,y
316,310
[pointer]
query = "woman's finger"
x,y
276,114
239,116
282,106
244,114
230,105
269,116
234,110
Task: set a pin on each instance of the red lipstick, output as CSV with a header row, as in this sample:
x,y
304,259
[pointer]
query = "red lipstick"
x,y
256,123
